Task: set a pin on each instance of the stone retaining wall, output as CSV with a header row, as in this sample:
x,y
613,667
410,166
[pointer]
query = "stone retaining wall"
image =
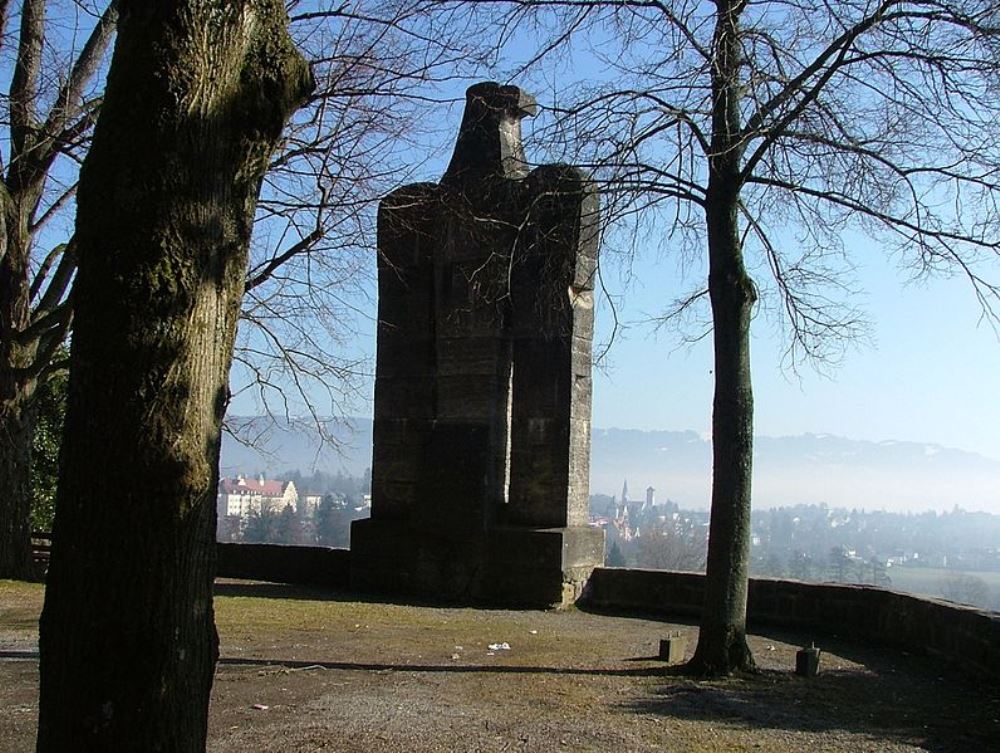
x,y
966,635
308,565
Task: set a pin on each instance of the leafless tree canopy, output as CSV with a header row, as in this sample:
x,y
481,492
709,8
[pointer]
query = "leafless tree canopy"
x,y
378,66
856,118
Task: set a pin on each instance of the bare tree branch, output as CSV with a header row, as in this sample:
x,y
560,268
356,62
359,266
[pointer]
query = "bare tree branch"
x,y
70,98
24,82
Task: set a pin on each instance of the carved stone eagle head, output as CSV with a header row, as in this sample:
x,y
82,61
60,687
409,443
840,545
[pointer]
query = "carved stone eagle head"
x,y
489,140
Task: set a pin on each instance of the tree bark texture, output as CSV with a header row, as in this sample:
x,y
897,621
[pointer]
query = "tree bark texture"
x,y
16,393
197,95
18,199
18,379
16,431
722,646
19,374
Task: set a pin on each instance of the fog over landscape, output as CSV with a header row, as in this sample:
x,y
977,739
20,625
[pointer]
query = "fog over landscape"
x,y
806,469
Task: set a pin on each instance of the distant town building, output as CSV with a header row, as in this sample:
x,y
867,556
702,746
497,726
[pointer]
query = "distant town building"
x,y
308,503
241,496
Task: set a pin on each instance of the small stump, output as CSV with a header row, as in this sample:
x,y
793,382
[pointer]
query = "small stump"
x,y
672,648
807,661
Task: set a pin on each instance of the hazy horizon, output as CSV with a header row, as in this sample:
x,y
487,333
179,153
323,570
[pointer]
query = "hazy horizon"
x,y
806,468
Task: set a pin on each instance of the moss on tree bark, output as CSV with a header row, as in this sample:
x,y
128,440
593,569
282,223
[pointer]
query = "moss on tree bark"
x,y
197,95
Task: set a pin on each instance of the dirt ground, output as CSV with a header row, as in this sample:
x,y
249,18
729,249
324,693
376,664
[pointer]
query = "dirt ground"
x,y
307,670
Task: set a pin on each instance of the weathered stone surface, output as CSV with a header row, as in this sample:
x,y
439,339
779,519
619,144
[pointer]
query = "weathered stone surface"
x,y
485,325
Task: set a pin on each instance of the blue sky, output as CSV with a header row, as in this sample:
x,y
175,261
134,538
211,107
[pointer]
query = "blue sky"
x,y
930,373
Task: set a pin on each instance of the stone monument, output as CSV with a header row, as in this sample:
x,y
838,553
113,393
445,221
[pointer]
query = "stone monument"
x,y
480,472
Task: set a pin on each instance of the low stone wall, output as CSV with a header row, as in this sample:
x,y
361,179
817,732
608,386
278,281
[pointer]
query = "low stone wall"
x,y
966,635
308,565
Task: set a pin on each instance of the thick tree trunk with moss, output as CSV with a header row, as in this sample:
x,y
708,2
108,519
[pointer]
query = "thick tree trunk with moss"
x,y
197,96
722,646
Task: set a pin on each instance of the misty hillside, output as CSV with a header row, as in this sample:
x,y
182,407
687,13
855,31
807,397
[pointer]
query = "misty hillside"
x,y
810,469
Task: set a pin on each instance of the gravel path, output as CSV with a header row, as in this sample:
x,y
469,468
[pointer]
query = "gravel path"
x,y
309,671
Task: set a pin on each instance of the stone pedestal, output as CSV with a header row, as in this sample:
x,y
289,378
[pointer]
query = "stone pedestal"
x,y
673,648
389,557
518,567
807,661
541,567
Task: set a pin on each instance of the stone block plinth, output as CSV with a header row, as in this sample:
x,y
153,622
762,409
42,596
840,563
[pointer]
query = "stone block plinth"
x,y
673,648
517,567
392,558
542,567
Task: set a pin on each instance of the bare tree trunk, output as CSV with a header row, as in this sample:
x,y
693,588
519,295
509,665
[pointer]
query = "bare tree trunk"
x,y
722,646
197,96
35,315
16,389
15,486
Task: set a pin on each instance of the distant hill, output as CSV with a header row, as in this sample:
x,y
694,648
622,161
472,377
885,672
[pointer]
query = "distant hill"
x,y
810,468
261,444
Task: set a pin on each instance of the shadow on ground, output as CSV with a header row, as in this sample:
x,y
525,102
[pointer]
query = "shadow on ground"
x,y
916,706
884,692
295,592
503,669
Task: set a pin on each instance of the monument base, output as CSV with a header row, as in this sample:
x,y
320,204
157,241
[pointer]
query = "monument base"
x,y
524,567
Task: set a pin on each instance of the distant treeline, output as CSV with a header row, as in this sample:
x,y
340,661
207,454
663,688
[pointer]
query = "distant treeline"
x,y
957,539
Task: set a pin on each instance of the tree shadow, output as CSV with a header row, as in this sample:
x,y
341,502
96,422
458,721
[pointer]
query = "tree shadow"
x,y
907,704
268,590
297,592
879,691
884,692
498,669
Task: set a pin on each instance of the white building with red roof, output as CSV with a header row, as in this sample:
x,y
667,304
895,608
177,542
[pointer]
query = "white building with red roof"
x,y
240,496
